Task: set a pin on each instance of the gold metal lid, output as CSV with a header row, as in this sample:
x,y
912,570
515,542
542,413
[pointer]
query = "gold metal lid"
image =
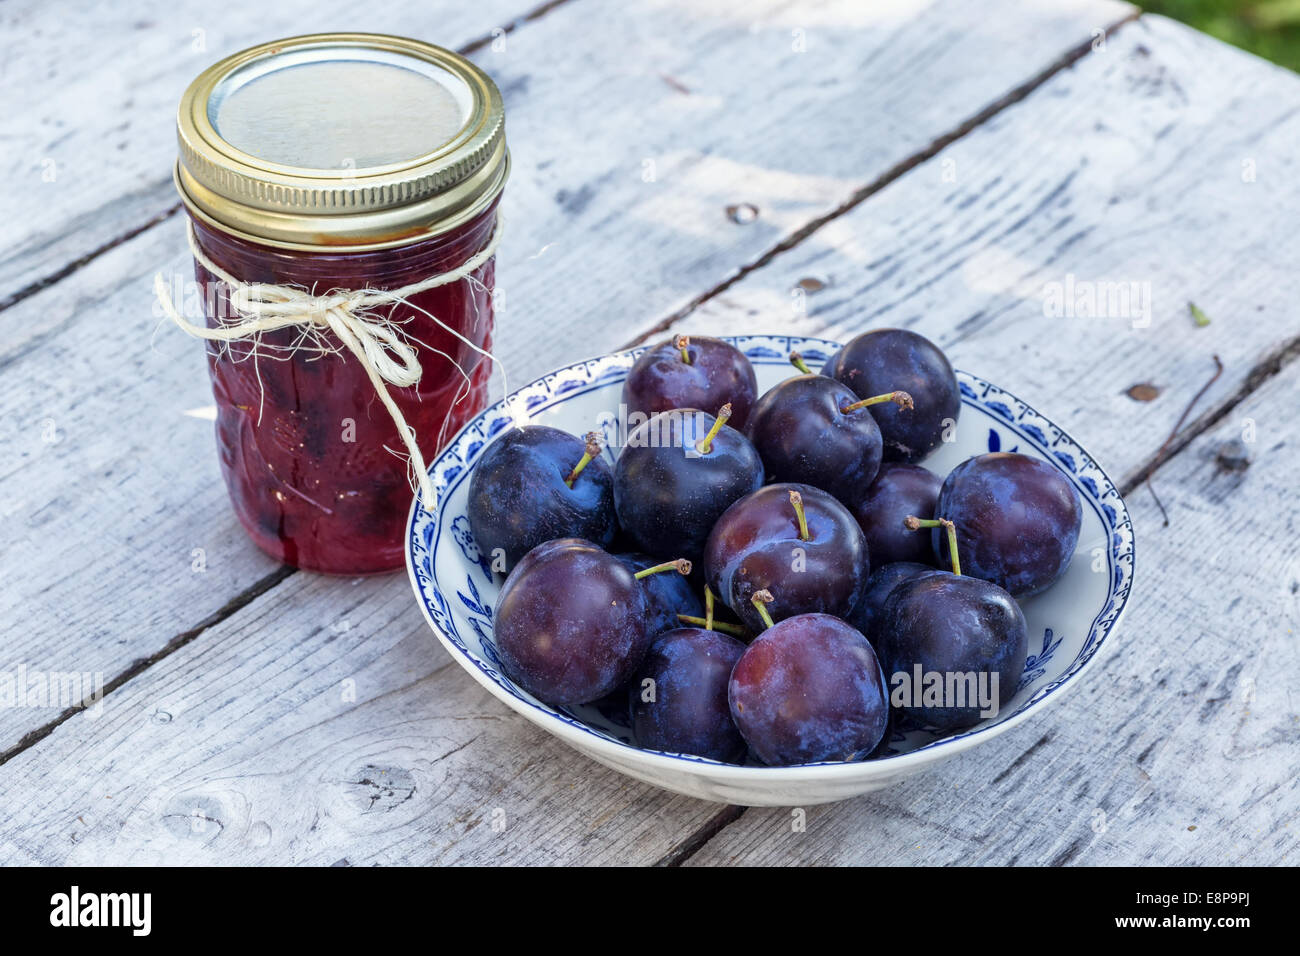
x,y
352,140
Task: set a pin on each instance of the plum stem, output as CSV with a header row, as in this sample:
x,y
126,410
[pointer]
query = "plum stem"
x,y
682,344
705,444
592,451
760,600
680,565
797,361
901,399
708,625
913,523
796,500
708,608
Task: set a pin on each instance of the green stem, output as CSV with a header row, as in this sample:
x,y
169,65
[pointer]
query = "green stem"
x,y
913,523
797,361
725,628
796,500
680,565
592,450
708,608
901,399
705,444
761,600
682,343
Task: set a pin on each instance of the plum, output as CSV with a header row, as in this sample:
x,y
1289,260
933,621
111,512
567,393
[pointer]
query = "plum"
x,y
572,623
794,540
885,359
963,629
808,689
813,430
536,483
899,490
691,372
1017,520
953,646
677,474
678,699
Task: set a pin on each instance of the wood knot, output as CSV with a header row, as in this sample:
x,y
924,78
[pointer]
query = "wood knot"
x,y
1232,456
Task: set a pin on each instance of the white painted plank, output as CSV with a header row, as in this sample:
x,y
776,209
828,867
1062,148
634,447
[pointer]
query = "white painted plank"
x,y
78,355
89,96
1179,750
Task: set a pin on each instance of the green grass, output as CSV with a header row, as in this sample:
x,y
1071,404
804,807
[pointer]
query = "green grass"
x,y
1268,28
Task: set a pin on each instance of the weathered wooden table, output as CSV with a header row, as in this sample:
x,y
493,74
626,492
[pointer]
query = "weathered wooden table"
x,y
946,166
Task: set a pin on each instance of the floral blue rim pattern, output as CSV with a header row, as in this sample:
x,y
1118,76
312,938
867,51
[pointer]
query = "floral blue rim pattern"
x,y
452,467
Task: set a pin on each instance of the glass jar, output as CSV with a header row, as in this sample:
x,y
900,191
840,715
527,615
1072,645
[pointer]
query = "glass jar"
x,y
327,163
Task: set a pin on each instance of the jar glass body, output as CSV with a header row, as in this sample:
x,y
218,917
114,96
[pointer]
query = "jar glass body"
x,y
316,470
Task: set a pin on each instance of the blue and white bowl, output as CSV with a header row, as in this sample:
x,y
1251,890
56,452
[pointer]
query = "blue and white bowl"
x,y
1067,625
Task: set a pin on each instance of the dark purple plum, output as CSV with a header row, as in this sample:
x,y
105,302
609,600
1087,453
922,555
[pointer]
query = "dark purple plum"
x,y
808,430
817,563
808,689
520,496
571,623
678,699
886,359
667,595
868,610
1017,520
691,372
677,474
899,490
963,629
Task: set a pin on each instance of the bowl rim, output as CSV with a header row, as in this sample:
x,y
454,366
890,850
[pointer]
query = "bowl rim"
x,y
617,752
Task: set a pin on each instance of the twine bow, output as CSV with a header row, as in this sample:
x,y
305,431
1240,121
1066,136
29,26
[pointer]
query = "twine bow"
x,y
387,357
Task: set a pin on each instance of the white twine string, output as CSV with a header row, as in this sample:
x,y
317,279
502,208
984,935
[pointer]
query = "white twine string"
x,y
376,342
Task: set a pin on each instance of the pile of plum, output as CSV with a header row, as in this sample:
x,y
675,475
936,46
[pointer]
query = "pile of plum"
x,y
753,571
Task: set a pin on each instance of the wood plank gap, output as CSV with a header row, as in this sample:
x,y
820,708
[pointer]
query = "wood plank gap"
x,y
473,46
695,842
138,667
58,275
899,169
